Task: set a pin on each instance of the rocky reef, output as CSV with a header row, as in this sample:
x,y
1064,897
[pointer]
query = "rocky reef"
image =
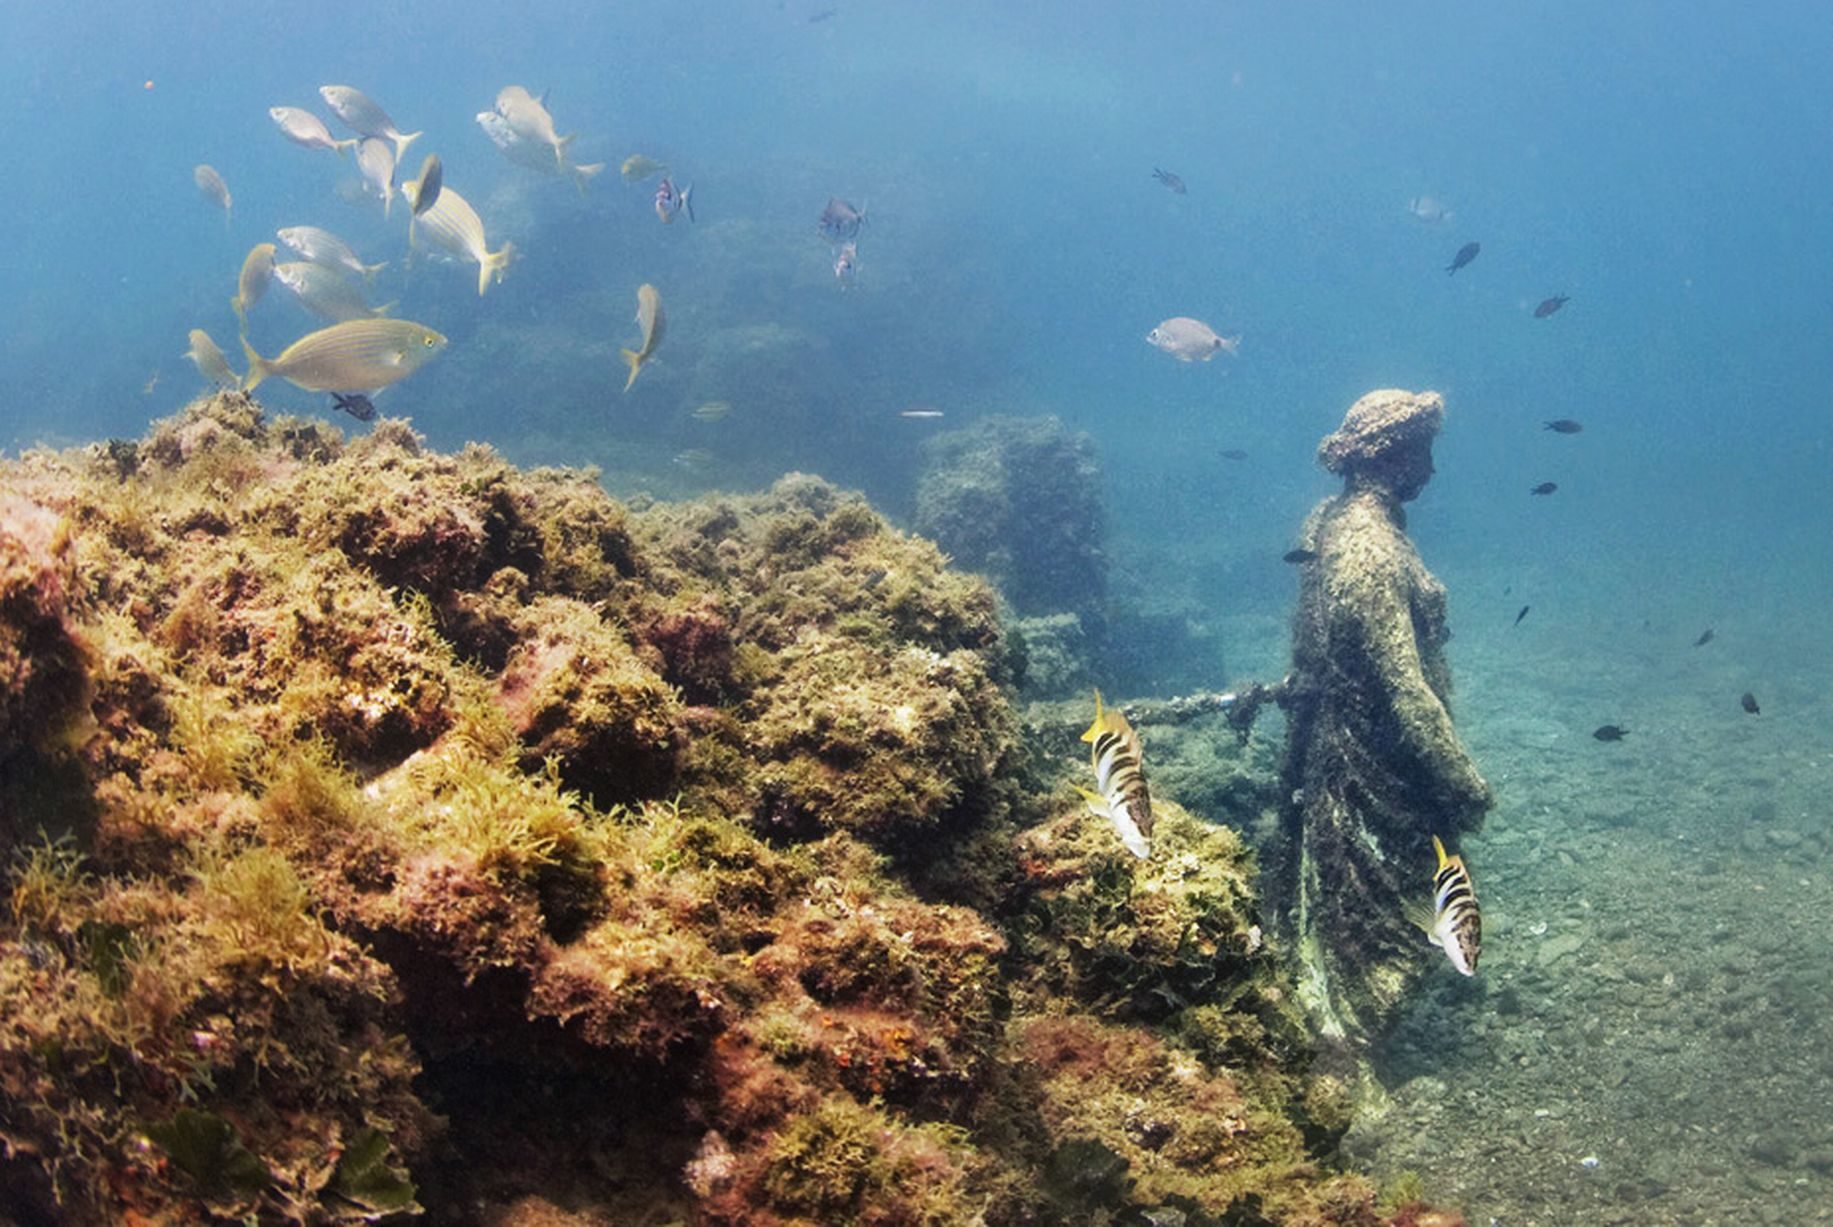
x,y
393,833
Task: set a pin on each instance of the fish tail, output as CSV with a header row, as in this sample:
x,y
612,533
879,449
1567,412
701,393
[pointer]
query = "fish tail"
x,y
258,368
339,147
241,313
492,265
385,308
402,141
584,174
634,361
370,271
560,145
1438,846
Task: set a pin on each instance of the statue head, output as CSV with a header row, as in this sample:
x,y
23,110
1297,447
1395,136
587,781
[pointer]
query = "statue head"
x,y
1385,441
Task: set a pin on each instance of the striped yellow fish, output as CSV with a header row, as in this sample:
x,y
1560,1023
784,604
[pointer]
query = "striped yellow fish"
x,y
1121,795
1457,925
355,356
453,224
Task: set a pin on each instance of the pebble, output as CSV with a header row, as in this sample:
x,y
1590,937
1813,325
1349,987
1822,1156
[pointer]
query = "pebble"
x,y
1558,947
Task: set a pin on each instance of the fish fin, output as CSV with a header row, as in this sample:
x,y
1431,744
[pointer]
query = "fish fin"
x,y
258,368
687,201
1231,344
402,141
338,147
385,308
635,362
1418,913
1438,846
241,312
370,270
492,266
1094,730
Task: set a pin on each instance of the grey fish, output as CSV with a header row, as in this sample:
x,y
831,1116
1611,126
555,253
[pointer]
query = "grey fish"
x,y
1610,732
1465,255
1705,637
841,220
1749,703
323,247
356,356
1550,305
375,157
304,128
355,404
211,184
1562,426
1522,614
425,189
1169,180
325,291
1545,487
361,113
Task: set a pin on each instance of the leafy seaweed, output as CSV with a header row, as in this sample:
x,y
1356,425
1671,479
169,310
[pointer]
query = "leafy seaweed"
x,y
205,1147
366,1179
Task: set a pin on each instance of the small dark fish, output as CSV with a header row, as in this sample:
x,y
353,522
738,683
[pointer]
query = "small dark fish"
x,y
1299,556
1522,614
874,580
1169,180
1233,453
1563,426
840,220
1549,306
1610,732
823,15
1545,487
1705,637
1749,703
355,404
426,188
1465,255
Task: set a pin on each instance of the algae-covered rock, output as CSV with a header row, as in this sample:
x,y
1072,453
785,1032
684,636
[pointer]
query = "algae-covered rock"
x,y
455,837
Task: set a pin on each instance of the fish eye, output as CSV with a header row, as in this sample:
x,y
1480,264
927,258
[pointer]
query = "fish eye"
x,y
427,341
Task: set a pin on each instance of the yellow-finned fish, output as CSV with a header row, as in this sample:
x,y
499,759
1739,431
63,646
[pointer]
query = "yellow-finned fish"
x,y
452,223
257,271
650,320
1456,926
211,184
355,356
1120,795
210,361
360,111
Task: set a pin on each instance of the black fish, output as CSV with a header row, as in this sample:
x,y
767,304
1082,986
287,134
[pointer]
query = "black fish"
x,y
426,192
1549,306
1169,180
355,404
840,220
1610,732
1465,255
1705,637
1563,426
874,580
1521,615
1749,703
1233,453
1545,487
1299,556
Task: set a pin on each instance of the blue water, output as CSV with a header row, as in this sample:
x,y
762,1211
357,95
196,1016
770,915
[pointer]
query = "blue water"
x,y
1666,166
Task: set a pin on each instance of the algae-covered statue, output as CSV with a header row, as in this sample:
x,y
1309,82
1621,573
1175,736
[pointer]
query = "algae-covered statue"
x,y
1374,769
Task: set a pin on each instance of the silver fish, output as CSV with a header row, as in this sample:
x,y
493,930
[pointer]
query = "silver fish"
x,y
323,247
210,360
364,117
840,220
357,356
531,123
304,128
375,157
325,291
1190,340
532,157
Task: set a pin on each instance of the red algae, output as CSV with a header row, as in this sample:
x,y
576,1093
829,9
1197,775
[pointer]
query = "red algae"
x,y
411,834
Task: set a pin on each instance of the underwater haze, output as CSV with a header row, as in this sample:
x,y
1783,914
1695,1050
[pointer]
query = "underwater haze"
x,y
1649,1040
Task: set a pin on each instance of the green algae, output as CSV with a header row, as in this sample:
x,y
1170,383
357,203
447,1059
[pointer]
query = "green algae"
x,y
436,795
